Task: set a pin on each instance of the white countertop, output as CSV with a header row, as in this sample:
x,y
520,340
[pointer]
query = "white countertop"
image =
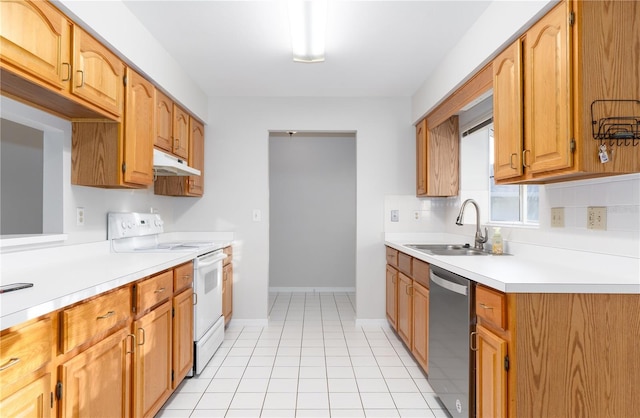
x,y
541,270
65,275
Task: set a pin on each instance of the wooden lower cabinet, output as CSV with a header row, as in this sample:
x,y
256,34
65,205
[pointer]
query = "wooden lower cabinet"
x,y
405,309
420,347
182,335
33,400
96,383
491,375
227,292
153,363
392,296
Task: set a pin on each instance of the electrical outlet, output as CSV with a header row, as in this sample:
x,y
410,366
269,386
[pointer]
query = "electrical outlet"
x,y
80,216
597,217
395,215
416,215
557,217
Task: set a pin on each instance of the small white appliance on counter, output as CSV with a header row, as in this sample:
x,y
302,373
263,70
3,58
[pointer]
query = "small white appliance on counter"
x,y
142,232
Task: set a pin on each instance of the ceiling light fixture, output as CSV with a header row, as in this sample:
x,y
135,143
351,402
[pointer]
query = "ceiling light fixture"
x,y
308,23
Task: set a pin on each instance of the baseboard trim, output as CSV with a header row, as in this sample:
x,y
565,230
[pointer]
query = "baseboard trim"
x,y
312,289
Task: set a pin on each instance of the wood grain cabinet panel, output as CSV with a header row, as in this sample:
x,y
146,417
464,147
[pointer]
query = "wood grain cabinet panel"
x,y
392,256
227,292
31,401
491,306
392,296
180,144
151,292
35,42
97,73
438,158
420,343
405,309
164,122
491,375
96,383
153,362
182,277
182,335
83,322
25,350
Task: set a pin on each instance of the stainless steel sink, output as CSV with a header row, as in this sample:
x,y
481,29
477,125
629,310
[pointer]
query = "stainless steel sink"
x,y
447,249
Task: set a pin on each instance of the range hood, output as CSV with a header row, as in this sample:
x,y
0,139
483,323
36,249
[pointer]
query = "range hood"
x,y
168,165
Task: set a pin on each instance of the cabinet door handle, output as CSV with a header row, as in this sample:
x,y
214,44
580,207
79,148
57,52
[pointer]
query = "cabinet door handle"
x,y
524,158
162,289
511,161
81,78
472,339
133,343
68,77
107,315
144,336
11,362
195,299
483,306
409,290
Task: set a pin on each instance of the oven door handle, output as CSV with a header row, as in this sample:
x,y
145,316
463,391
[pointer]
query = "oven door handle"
x,y
209,260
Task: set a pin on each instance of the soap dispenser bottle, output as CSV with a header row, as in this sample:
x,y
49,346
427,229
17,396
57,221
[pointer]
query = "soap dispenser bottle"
x,y
497,247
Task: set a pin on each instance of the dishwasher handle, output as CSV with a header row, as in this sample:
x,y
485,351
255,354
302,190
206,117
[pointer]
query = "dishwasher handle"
x,y
454,287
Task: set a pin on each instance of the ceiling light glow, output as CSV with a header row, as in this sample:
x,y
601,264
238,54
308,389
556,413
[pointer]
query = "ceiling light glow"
x,y
308,23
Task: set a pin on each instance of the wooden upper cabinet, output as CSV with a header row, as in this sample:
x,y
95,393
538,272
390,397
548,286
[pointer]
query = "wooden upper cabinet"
x,y
164,122
35,41
98,74
180,132
196,157
140,127
547,93
507,112
421,158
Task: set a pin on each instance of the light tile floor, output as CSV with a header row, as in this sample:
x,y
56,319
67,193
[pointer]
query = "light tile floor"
x,y
310,361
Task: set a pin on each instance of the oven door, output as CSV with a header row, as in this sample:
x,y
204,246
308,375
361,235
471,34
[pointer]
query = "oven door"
x,y
207,286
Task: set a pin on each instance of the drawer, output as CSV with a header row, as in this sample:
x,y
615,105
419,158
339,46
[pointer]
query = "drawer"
x,y
25,350
82,322
182,277
229,252
152,291
404,264
421,272
392,257
491,306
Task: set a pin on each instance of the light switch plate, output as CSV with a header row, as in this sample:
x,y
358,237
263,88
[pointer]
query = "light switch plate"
x,y
395,215
557,217
597,217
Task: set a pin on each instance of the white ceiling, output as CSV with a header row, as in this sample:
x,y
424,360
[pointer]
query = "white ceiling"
x,y
242,48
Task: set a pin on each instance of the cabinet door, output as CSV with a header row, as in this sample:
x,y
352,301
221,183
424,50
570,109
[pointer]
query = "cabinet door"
x,y
547,94
392,296
33,400
491,376
152,376
182,335
196,157
96,382
139,124
420,348
227,292
180,132
421,158
97,73
507,112
35,40
443,156
405,309
164,121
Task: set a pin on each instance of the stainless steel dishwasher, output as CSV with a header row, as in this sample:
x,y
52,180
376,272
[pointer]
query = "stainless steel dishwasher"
x,y
451,321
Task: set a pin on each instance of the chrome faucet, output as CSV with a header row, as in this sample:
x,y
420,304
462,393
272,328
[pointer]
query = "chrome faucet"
x,y
480,240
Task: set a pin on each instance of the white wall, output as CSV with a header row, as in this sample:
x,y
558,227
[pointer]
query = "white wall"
x,y
117,27
236,176
500,24
312,211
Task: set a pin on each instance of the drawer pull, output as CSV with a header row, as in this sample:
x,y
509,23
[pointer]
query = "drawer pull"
x,y
483,306
11,362
162,289
107,315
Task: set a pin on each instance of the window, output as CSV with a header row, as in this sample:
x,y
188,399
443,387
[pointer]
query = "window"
x,y
511,203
